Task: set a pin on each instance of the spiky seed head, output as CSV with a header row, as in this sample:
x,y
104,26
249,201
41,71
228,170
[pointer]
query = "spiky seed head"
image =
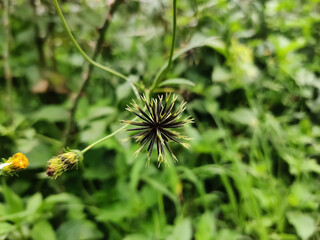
x,y
157,119
63,162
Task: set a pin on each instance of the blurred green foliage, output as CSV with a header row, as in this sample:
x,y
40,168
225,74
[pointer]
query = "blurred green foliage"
x,y
250,73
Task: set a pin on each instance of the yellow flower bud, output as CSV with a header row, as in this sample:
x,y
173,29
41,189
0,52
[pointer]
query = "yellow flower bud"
x,y
63,162
16,163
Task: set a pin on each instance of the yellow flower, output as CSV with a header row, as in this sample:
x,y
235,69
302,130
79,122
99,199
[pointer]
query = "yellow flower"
x,y
17,162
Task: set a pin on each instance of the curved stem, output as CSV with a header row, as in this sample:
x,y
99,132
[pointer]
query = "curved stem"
x,y
173,36
162,74
110,70
6,59
65,25
87,72
104,138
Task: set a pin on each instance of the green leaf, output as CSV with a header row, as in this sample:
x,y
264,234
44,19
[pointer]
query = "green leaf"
x,y
5,227
34,202
37,152
298,164
51,114
43,231
114,213
97,112
94,131
311,165
14,203
304,224
227,234
135,173
212,42
160,187
182,230
303,196
244,116
61,198
78,230
206,227
220,74
136,236
177,81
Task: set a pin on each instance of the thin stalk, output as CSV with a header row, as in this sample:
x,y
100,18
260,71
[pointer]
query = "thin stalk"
x,y
6,58
88,71
104,138
163,74
38,39
66,27
244,187
231,195
107,69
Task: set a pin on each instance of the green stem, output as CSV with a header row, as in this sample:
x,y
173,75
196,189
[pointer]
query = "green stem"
x,y
163,74
88,71
104,138
6,59
110,70
173,36
65,25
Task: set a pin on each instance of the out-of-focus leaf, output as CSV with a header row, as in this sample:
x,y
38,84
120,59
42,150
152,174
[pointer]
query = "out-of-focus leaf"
x,y
227,234
123,91
43,231
14,203
303,223
206,227
298,164
220,74
136,173
158,186
37,151
78,230
61,197
213,42
301,196
34,202
97,112
136,237
114,213
5,228
177,81
182,230
209,170
94,131
244,116
51,113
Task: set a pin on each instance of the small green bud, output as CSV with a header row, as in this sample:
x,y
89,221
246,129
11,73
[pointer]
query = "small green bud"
x,y
63,162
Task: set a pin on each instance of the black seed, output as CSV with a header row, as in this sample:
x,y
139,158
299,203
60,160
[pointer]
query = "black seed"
x,y
155,124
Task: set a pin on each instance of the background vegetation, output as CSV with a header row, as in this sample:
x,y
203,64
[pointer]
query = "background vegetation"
x,y
253,168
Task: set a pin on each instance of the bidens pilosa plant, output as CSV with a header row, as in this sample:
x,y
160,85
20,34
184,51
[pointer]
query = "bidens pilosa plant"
x,y
154,128
158,117
156,125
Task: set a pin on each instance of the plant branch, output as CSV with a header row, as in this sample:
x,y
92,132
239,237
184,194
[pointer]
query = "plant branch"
x,y
6,58
104,138
87,74
75,43
161,75
38,39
